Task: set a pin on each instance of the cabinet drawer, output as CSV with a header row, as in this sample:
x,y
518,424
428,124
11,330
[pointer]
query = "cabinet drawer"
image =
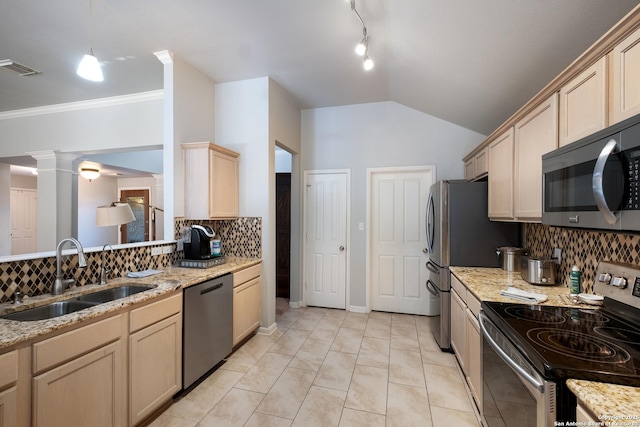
x,y
8,368
152,313
52,352
457,286
242,276
473,304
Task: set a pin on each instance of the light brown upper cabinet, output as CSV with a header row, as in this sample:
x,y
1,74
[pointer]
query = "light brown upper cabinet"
x,y
501,176
535,134
476,166
584,104
211,181
625,88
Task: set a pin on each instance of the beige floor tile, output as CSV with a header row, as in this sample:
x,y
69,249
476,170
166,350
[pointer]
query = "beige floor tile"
x,y
374,352
327,329
311,355
378,328
307,321
380,315
322,407
336,314
368,389
240,361
353,418
234,409
403,320
355,320
287,394
405,367
444,417
348,340
404,338
264,373
290,342
195,405
166,420
318,311
445,388
408,406
336,371
428,343
264,420
438,357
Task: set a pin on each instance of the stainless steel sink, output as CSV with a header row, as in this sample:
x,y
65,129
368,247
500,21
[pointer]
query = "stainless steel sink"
x,y
60,308
49,311
113,294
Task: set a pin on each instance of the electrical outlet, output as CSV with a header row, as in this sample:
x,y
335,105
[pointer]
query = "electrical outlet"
x,y
156,250
180,244
557,255
167,249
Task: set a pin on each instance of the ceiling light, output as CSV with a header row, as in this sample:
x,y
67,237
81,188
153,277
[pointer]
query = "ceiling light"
x,y
362,48
368,63
89,174
89,68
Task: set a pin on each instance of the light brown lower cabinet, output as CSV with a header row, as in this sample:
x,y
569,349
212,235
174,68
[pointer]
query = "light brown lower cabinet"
x,y
9,393
474,357
247,302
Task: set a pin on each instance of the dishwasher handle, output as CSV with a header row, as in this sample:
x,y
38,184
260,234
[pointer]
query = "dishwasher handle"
x,y
211,288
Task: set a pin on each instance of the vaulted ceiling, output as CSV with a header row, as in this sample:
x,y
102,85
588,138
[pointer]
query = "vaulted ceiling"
x,y
470,62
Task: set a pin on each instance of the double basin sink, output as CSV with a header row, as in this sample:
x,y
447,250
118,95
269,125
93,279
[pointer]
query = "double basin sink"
x,y
60,308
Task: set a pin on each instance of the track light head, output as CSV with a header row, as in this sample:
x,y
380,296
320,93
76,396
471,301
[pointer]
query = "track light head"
x,y
368,63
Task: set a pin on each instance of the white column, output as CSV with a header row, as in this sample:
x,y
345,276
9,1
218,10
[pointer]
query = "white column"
x,y
5,209
55,197
158,202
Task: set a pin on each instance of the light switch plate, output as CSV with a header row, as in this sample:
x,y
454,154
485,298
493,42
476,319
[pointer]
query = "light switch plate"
x,y
557,255
167,249
156,250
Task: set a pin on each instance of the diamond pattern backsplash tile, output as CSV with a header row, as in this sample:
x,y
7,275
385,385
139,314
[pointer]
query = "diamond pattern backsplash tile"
x,y
584,248
240,237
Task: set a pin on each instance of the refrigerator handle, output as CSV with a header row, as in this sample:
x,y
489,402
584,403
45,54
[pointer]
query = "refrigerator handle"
x,y
432,288
428,226
432,267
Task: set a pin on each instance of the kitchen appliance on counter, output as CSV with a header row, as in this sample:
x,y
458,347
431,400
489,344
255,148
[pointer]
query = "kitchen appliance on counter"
x,y
595,182
538,271
199,246
459,233
529,351
509,257
207,327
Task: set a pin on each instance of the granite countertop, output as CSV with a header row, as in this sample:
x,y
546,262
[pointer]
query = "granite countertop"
x,y
170,280
620,403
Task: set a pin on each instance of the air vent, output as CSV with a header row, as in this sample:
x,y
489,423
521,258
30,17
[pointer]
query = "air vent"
x,y
23,70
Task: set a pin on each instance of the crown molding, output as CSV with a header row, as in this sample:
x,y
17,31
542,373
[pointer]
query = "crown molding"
x,y
84,105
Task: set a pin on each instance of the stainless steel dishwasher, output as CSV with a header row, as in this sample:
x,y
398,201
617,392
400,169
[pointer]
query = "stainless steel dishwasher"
x,y
207,336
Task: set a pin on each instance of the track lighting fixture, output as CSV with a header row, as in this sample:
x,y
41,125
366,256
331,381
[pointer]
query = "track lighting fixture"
x,y
362,48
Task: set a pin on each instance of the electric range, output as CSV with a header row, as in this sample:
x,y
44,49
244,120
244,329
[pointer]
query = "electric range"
x,y
546,345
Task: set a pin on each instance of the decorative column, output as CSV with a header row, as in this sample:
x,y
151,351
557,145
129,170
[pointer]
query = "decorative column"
x,y
5,209
56,208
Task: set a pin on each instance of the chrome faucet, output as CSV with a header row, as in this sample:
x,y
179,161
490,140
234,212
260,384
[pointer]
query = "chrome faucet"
x,y
61,283
103,270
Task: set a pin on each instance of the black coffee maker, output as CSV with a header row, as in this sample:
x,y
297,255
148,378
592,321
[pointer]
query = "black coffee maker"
x,y
200,245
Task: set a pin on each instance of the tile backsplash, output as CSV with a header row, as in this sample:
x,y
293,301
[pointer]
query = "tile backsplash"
x,y
584,248
240,237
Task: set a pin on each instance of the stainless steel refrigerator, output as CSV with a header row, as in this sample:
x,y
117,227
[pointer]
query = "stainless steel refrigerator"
x,y
459,233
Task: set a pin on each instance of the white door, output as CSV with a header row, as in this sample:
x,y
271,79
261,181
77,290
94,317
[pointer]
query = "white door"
x,y
326,240
23,221
397,238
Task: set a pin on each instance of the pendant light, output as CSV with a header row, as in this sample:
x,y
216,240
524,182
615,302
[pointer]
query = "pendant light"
x,y
362,48
89,67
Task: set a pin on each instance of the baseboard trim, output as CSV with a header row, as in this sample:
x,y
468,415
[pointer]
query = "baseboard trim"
x,y
357,309
268,331
296,304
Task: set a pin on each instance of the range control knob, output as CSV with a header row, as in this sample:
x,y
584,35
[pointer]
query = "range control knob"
x,y
604,278
619,282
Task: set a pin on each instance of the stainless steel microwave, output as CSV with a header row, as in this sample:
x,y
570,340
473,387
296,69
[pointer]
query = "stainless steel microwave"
x,y
595,182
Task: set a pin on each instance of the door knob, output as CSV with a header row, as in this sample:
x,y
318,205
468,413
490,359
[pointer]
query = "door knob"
x,y
341,248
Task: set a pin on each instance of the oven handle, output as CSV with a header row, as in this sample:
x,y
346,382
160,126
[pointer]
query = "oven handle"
x,y
537,381
596,182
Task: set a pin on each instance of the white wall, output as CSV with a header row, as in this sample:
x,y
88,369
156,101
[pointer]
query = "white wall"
x,y
283,161
99,192
358,137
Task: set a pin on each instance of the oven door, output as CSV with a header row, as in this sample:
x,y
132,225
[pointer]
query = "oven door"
x,y
514,393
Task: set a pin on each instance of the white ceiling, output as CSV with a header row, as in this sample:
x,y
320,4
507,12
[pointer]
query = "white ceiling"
x,y
470,62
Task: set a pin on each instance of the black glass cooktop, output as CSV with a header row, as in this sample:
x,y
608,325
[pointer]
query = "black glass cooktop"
x,y
567,342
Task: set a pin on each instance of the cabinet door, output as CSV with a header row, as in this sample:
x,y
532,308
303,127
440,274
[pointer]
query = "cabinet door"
x,y
469,170
223,197
501,176
246,309
156,366
625,95
535,135
584,104
474,357
87,391
458,329
9,407
481,163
